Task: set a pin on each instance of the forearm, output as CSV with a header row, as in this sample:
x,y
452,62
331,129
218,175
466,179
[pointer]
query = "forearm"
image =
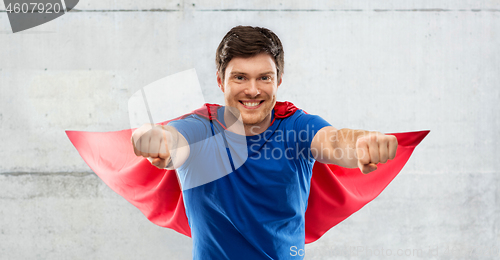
x,y
344,146
332,146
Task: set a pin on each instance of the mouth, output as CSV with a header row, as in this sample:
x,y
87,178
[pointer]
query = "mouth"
x,y
251,104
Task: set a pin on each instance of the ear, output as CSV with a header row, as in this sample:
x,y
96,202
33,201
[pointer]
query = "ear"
x,y
281,80
219,81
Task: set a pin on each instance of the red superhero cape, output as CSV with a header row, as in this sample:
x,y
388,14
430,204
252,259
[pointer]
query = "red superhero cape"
x,y
335,193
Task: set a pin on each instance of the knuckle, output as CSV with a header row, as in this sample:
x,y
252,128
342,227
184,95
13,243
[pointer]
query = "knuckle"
x,y
155,130
362,156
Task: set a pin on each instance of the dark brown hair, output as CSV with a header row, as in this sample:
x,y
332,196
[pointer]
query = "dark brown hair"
x,y
248,41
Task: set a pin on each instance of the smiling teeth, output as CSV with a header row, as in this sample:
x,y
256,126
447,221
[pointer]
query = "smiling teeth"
x,y
251,104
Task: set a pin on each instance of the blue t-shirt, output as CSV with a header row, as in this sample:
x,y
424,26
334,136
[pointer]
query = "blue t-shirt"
x,y
246,196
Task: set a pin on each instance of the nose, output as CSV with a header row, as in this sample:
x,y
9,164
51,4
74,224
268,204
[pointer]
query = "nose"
x,y
252,89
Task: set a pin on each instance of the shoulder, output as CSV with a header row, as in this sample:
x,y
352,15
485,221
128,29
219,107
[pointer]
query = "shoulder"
x,y
193,127
301,118
190,119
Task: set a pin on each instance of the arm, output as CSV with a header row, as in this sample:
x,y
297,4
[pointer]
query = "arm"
x,y
353,148
166,147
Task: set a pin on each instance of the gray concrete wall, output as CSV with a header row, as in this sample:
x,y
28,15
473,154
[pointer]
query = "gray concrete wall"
x,y
380,65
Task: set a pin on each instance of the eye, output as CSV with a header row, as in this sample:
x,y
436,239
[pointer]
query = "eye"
x,y
266,78
239,77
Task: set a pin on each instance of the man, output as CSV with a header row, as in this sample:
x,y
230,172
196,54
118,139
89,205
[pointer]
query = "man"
x,y
254,209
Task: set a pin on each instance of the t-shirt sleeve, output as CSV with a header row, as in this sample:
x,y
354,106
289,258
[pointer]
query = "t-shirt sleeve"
x,y
194,129
191,127
307,126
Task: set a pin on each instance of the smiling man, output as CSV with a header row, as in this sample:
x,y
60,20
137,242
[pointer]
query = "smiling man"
x,y
250,86
245,170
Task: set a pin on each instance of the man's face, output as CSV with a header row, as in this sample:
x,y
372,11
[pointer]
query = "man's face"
x,y
250,85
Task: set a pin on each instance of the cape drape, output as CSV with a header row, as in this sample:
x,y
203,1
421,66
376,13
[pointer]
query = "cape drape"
x,y
335,193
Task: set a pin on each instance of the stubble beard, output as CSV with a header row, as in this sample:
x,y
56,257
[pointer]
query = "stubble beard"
x,y
256,121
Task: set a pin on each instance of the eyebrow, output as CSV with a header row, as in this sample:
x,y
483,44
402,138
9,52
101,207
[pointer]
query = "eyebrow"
x,y
268,73
243,73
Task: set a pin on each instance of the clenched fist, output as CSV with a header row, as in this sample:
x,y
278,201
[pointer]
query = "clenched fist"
x,y
374,148
150,141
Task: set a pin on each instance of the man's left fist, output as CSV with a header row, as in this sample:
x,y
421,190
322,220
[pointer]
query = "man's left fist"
x,y
374,148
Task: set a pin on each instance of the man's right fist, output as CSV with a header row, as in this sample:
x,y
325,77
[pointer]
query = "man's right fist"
x,y
151,141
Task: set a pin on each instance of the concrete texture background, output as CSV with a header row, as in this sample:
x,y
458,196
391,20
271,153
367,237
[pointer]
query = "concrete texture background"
x,y
389,66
